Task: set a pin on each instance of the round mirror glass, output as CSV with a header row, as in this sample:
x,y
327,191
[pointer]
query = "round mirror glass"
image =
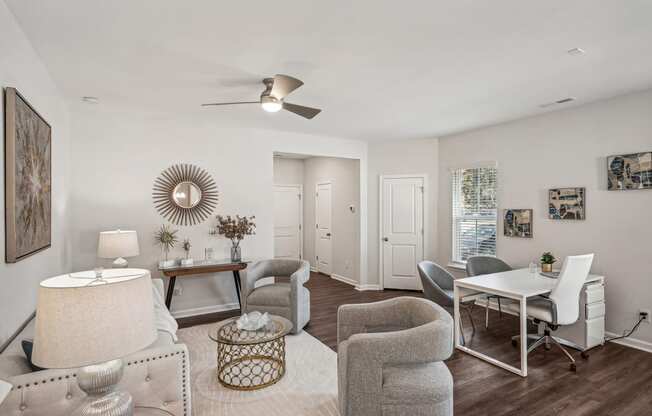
x,y
186,194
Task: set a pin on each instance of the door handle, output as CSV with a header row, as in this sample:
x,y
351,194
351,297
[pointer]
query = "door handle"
x,y
385,239
328,234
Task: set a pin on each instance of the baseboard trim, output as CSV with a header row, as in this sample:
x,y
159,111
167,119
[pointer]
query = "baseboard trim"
x,y
631,342
313,269
363,288
204,310
20,329
344,279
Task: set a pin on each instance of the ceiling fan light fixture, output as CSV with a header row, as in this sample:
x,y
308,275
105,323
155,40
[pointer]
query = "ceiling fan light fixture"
x,y
271,104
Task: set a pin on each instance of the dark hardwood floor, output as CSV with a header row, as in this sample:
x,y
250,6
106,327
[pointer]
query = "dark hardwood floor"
x,y
614,381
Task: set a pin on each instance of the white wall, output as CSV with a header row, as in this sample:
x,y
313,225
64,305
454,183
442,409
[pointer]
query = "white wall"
x,y
288,171
344,175
118,154
568,149
397,158
20,67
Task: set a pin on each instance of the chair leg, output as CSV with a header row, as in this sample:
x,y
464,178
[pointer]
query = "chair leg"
x,y
486,315
500,309
570,357
462,332
468,311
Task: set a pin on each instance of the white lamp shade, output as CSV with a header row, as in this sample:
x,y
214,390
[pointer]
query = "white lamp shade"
x,y
119,243
81,322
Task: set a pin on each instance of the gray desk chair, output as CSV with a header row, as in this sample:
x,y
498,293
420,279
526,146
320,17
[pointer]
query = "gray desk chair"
x,y
561,307
438,287
289,300
479,265
390,358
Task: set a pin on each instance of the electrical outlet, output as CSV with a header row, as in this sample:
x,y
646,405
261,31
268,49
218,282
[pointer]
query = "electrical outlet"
x,y
178,290
645,312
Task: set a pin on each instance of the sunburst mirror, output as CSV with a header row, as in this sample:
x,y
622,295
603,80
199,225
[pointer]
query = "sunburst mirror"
x,y
185,194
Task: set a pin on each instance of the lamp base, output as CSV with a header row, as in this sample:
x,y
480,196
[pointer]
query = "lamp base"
x,y
98,382
120,262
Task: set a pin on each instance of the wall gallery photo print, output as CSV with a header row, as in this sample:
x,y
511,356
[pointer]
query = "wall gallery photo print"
x,y
631,171
566,203
28,179
518,223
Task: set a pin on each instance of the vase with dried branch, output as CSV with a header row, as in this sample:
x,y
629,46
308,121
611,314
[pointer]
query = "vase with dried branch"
x,y
166,237
235,229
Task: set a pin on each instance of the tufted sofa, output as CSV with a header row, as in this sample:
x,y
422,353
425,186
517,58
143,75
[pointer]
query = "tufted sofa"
x,y
157,377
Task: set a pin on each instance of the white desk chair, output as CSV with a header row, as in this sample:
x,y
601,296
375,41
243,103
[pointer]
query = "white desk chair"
x,y
562,306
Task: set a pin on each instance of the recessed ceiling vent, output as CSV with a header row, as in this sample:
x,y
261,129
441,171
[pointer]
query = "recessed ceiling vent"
x,y
562,101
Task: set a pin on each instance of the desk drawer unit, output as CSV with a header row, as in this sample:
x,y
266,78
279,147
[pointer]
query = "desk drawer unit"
x,y
588,331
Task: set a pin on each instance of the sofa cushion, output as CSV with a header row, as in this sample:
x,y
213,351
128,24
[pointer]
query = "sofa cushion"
x,y
277,294
417,383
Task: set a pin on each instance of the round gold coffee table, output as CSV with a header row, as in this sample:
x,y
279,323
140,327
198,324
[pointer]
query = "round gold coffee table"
x,y
250,360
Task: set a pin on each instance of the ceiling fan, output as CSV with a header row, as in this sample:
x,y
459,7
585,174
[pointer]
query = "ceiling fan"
x,y
273,98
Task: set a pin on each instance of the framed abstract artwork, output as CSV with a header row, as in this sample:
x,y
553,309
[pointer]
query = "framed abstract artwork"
x,y
28,179
632,171
518,223
566,203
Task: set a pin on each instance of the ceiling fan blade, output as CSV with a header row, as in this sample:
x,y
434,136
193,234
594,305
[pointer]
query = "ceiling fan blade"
x,y
237,102
306,112
284,85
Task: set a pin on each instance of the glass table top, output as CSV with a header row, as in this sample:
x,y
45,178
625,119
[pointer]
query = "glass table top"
x,y
227,332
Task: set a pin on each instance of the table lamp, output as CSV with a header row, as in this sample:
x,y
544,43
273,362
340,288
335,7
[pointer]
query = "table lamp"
x,y
117,245
92,323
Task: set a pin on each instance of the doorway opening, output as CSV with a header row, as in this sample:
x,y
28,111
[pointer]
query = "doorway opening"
x,y
316,213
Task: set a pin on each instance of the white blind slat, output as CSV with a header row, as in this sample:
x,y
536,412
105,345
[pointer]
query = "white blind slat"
x,y
474,212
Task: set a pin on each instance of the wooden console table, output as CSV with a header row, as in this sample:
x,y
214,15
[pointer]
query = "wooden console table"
x,y
203,267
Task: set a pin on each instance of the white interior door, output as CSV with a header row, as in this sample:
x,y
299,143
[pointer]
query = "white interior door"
x,y
402,231
323,216
288,219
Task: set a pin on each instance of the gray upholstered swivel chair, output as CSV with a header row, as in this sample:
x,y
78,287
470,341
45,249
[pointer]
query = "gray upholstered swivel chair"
x,y
389,358
561,307
289,300
437,285
479,265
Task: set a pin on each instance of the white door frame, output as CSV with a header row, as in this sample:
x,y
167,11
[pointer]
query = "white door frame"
x,y
381,230
300,186
328,182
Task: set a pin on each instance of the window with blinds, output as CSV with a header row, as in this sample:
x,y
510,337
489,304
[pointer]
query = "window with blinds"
x,y
474,213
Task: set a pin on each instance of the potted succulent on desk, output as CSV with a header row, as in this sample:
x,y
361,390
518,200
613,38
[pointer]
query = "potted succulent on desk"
x,y
547,260
166,237
235,229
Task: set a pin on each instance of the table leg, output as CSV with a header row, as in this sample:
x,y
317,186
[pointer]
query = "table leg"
x,y
236,281
456,314
170,292
524,343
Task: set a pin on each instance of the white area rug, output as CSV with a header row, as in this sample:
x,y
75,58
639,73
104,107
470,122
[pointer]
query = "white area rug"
x,y
309,387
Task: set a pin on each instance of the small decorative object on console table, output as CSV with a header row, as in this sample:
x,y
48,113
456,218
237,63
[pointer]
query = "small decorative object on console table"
x,y
186,247
547,260
166,237
118,245
103,320
250,360
235,229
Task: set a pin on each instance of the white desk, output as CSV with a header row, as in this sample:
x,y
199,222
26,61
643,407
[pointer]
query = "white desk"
x,y
517,285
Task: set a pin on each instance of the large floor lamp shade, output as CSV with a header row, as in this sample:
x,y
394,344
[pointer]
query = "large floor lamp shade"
x,y
92,323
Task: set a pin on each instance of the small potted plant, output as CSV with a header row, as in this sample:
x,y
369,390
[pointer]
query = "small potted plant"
x,y
186,247
166,237
547,260
235,229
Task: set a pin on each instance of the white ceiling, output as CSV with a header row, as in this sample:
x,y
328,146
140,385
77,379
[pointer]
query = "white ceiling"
x,y
379,69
